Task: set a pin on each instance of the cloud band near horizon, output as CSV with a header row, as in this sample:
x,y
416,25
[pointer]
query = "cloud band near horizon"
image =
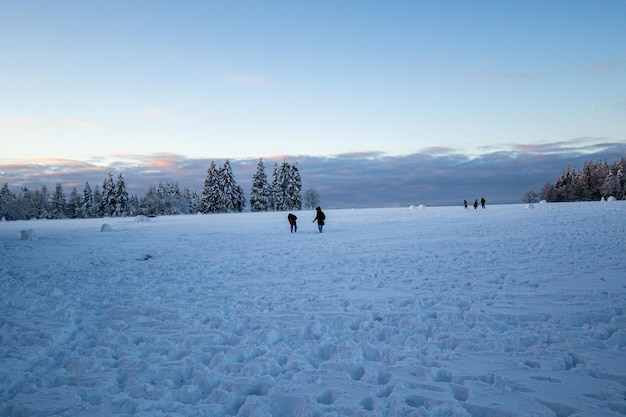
x,y
434,176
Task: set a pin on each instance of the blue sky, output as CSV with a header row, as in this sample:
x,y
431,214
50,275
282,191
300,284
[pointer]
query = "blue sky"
x,y
112,84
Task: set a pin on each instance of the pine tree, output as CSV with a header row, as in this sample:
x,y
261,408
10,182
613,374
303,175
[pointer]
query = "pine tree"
x,y
149,202
610,186
86,203
6,200
192,201
133,205
41,203
618,168
277,189
260,195
232,198
294,187
58,203
286,187
210,191
27,209
107,205
120,198
98,206
279,186
73,205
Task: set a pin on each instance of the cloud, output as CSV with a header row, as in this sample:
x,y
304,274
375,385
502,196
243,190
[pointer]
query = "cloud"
x,y
157,112
22,121
81,123
581,145
247,80
433,176
602,67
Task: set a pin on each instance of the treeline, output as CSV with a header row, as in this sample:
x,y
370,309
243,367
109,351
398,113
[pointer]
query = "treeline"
x,y
220,194
595,181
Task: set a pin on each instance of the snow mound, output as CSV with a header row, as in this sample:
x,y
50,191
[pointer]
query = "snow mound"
x,y
529,206
142,219
28,234
418,207
106,228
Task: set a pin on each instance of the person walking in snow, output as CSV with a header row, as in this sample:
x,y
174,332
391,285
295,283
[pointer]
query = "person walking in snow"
x,y
482,202
475,204
320,218
292,222
465,204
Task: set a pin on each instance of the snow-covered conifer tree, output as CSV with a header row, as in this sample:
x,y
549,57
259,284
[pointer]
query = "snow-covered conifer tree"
x,y
41,203
294,187
278,186
58,203
277,189
192,200
210,191
619,167
260,195
286,187
133,205
73,205
6,200
232,196
120,198
97,208
87,208
108,197
610,186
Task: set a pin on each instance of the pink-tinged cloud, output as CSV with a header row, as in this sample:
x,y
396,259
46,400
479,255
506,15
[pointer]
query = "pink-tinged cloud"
x,y
277,158
601,67
158,112
22,121
438,150
81,123
247,80
531,148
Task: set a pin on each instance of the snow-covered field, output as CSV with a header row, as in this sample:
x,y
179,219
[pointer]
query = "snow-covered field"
x,y
441,311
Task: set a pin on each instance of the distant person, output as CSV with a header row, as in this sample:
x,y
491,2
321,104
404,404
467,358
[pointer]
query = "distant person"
x,y
465,204
292,222
482,202
475,204
320,217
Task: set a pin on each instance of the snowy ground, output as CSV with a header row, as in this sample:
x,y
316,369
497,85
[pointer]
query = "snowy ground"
x,y
507,311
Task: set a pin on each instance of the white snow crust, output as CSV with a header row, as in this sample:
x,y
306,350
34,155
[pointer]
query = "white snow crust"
x,y
388,312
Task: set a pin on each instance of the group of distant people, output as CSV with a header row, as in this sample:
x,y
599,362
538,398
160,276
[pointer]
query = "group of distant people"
x,y
482,203
320,218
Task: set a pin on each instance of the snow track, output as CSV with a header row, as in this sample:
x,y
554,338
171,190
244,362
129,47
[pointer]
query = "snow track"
x,y
505,311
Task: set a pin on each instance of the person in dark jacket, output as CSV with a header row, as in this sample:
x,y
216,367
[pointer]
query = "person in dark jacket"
x,y
475,204
292,222
482,202
465,204
320,218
